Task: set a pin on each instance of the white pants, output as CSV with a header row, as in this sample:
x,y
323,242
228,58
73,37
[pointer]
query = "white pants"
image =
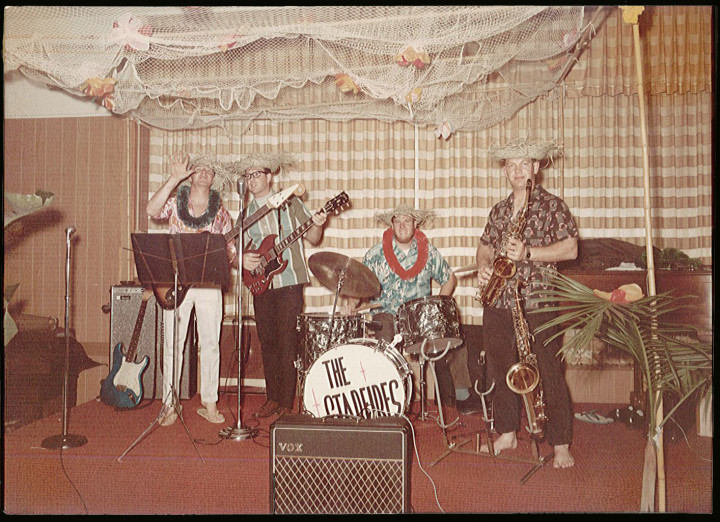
x,y
208,305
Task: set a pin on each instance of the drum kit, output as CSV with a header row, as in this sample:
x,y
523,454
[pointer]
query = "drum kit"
x,y
344,372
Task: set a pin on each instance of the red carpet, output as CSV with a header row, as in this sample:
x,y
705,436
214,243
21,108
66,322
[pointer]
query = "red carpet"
x,y
164,472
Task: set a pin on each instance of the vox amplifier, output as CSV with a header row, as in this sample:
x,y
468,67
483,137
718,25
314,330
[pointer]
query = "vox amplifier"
x,y
339,465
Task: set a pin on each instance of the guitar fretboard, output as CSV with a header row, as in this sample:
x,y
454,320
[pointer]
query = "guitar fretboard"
x,y
138,328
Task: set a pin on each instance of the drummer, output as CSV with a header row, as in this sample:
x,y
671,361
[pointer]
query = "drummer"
x,y
405,263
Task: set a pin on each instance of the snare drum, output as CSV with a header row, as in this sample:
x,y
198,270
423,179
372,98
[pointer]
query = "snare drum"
x,y
315,333
435,318
364,378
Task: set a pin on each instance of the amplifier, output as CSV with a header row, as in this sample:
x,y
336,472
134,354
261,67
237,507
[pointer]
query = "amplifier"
x,y
339,466
124,308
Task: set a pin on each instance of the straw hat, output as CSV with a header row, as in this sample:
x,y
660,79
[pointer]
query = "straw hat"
x,y
223,175
273,163
403,209
525,149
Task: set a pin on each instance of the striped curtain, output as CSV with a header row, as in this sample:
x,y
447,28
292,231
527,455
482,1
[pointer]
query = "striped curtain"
x,y
594,115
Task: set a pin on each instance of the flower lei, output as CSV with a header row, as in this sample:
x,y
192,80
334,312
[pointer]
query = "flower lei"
x,y
183,197
422,244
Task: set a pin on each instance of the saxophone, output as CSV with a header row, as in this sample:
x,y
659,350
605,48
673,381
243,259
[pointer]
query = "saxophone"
x,y
523,377
504,267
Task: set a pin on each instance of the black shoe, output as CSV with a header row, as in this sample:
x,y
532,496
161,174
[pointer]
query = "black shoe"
x,y
470,405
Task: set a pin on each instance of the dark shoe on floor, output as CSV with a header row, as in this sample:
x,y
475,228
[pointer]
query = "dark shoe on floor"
x,y
470,405
267,409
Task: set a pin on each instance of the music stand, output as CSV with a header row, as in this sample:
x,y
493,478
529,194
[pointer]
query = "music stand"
x,y
175,259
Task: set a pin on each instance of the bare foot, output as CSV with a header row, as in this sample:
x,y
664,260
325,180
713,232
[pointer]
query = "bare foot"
x,y
563,458
504,441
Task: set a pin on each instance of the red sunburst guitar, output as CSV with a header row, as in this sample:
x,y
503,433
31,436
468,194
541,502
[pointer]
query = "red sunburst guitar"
x,y
271,261
165,294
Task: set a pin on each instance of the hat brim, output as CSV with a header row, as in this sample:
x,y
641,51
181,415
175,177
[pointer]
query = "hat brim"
x,y
420,216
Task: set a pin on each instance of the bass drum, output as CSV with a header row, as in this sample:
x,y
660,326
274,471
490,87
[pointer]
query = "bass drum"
x,y
363,378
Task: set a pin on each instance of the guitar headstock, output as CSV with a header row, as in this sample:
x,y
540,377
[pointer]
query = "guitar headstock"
x,y
279,199
337,203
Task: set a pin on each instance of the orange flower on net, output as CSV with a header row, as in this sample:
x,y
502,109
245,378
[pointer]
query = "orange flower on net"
x,y
409,55
414,95
345,83
624,294
98,86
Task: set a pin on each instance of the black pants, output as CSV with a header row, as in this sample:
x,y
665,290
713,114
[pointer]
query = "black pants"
x,y
501,352
276,312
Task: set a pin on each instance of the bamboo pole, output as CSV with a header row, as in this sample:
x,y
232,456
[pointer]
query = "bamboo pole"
x,y
630,15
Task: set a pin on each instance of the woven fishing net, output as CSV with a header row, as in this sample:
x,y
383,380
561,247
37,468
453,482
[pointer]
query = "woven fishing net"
x,y
453,67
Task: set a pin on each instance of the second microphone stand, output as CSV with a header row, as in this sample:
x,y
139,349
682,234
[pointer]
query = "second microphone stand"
x,y
239,432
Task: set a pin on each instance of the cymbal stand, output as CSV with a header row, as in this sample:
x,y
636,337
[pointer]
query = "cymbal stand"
x,y
340,283
438,398
537,460
239,432
175,373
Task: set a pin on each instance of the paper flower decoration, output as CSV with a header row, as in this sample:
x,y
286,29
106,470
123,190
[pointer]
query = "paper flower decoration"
x,y
131,33
227,42
345,83
445,129
417,57
98,86
625,294
101,91
414,96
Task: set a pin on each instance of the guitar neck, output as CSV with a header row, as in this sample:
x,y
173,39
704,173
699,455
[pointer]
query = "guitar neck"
x,y
138,328
247,222
285,243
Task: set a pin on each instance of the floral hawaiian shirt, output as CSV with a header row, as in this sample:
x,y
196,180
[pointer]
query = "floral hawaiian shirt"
x,y
548,221
221,224
395,290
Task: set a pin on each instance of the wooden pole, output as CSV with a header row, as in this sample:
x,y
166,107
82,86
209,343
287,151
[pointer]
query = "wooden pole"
x,y
630,15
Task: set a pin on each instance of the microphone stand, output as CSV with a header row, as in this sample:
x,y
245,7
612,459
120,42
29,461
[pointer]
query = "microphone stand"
x,y
239,432
65,440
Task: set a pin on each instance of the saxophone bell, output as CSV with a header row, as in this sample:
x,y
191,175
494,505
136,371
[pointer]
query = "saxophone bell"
x,y
523,377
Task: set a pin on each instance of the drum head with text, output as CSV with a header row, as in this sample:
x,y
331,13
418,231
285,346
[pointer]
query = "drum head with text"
x,y
359,380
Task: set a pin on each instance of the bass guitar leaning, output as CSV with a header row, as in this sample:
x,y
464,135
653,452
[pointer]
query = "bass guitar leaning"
x,y
122,388
165,294
271,261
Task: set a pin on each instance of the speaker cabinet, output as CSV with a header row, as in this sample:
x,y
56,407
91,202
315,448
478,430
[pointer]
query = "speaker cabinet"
x,y
339,466
125,306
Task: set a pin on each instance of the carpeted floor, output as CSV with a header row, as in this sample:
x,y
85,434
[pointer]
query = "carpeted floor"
x,y
189,468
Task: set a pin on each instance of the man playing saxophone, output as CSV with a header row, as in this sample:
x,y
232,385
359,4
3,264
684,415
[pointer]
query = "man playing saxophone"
x,y
529,229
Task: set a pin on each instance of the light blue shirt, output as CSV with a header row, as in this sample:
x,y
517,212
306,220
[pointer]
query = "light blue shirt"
x,y
397,291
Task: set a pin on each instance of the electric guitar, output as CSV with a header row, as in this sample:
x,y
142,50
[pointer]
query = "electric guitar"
x,y
271,262
122,388
165,294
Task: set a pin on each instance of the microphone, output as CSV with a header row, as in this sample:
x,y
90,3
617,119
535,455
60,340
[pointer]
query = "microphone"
x,y
241,186
70,230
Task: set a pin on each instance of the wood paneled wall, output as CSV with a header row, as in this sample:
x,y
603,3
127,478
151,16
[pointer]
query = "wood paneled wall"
x,y
92,167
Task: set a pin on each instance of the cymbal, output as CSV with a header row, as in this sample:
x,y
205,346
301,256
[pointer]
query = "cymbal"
x,y
359,281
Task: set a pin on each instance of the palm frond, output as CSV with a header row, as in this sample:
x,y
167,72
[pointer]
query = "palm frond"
x,y
667,362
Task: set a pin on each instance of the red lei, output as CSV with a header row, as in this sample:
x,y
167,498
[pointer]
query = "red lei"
x,y
422,245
